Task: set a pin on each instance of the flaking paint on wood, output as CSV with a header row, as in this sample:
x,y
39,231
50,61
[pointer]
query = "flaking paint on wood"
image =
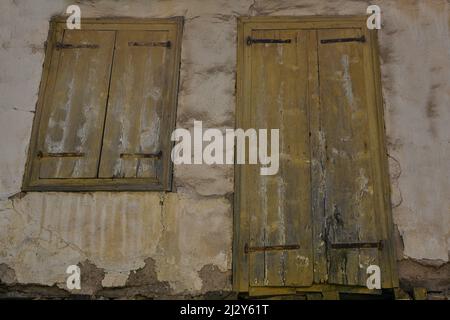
x,y
342,126
81,83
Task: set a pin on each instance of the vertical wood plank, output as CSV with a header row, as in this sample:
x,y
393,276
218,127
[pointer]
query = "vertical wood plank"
x,y
318,166
350,208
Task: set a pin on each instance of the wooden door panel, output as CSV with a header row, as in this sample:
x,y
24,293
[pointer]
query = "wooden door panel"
x,y
349,205
280,216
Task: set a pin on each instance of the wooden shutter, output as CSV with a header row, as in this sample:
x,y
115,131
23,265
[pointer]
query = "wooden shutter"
x,y
72,121
139,106
279,248
349,224
329,203
107,106
348,183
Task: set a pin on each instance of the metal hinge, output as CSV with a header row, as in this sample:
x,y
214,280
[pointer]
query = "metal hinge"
x,y
248,249
360,39
41,154
60,45
141,155
359,245
166,44
250,41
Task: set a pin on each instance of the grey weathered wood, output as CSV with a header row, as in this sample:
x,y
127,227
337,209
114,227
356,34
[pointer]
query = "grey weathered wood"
x,y
76,106
350,207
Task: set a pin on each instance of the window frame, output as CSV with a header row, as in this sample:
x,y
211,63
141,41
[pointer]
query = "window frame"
x,y
31,180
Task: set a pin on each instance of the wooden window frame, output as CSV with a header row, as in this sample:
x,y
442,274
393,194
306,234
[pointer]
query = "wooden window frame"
x,y
32,182
240,227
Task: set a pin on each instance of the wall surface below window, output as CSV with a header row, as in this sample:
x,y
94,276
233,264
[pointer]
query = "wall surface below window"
x,y
180,244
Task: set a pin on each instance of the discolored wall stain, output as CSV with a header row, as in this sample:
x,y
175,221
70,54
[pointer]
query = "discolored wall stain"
x,y
7,274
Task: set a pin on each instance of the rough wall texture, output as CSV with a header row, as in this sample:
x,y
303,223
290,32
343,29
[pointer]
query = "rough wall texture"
x,y
155,244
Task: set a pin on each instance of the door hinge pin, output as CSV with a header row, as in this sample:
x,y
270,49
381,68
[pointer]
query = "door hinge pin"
x,y
250,41
60,45
41,154
358,245
248,249
360,39
141,155
166,44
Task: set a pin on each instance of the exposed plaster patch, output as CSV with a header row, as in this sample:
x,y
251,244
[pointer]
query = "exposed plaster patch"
x,y
214,279
141,283
147,277
91,277
432,275
115,279
7,274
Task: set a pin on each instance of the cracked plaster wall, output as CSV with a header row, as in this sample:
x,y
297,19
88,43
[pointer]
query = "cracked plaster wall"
x,y
186,236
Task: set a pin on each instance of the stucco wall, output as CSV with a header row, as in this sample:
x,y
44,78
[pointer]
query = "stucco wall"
x,y
180,243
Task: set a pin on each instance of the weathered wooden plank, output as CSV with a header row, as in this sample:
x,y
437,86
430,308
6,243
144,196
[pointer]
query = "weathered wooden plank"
x,y
75,108
314,296
281,213
389,276
330,295
420,293
49,73
141,84
241,220
350,209
258,209
318,167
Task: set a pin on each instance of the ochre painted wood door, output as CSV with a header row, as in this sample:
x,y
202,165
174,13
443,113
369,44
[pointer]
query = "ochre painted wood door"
x,y
280,214
324,218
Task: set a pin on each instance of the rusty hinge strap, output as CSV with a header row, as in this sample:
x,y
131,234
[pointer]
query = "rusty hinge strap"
x,y
60,154
141,155
360,39
358,245
60,45
166,44
248,249
250,41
